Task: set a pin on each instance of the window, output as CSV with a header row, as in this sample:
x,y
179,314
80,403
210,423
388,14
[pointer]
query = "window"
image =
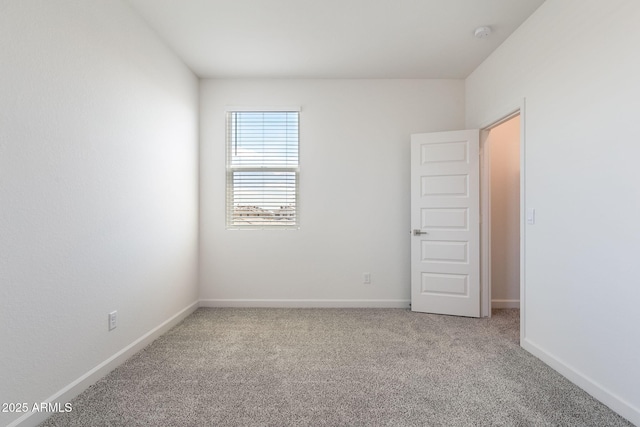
x,y
262,169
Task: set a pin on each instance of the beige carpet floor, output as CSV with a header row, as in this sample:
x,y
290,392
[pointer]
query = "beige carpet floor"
x,y
336,367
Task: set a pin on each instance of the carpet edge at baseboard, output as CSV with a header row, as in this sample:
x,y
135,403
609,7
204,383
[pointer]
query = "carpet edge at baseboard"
x,y
83,382
595,389
306,303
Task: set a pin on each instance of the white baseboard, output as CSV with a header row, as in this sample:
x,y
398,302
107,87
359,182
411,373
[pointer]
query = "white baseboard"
x,y
307,303
81,384
505,303
613,401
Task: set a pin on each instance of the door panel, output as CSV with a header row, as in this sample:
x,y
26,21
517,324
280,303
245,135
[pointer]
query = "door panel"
x,y
445,211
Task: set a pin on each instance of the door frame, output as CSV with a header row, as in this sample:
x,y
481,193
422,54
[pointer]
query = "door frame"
x,y
485,211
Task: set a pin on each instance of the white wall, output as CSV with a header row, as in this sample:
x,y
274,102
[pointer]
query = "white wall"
x,y
354,192
577,64
98,189
504,141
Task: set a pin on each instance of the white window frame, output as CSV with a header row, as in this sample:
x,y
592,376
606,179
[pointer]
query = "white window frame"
x,y
231,223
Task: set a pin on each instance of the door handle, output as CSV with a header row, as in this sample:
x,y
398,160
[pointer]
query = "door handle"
x,y
418,232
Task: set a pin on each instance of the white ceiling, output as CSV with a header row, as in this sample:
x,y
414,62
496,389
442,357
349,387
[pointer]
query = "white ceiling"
x,y
333,38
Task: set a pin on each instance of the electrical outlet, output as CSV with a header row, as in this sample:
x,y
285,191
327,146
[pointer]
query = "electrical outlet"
x,y
113,320
366,278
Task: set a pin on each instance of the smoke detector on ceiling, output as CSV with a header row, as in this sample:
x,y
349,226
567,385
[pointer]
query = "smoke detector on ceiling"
x,y
482,32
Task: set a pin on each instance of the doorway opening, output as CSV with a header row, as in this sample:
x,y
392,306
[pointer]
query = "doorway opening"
x,y
501,217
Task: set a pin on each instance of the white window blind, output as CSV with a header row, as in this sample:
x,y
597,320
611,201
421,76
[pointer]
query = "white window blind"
x,y
262,169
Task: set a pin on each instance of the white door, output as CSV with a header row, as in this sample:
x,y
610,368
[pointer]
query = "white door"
x,y
445,229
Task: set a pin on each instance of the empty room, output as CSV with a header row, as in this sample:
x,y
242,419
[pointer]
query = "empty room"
x,y
303,213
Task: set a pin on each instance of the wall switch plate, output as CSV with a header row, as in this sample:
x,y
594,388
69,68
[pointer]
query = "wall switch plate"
x,y
113,320
366,278
531,216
